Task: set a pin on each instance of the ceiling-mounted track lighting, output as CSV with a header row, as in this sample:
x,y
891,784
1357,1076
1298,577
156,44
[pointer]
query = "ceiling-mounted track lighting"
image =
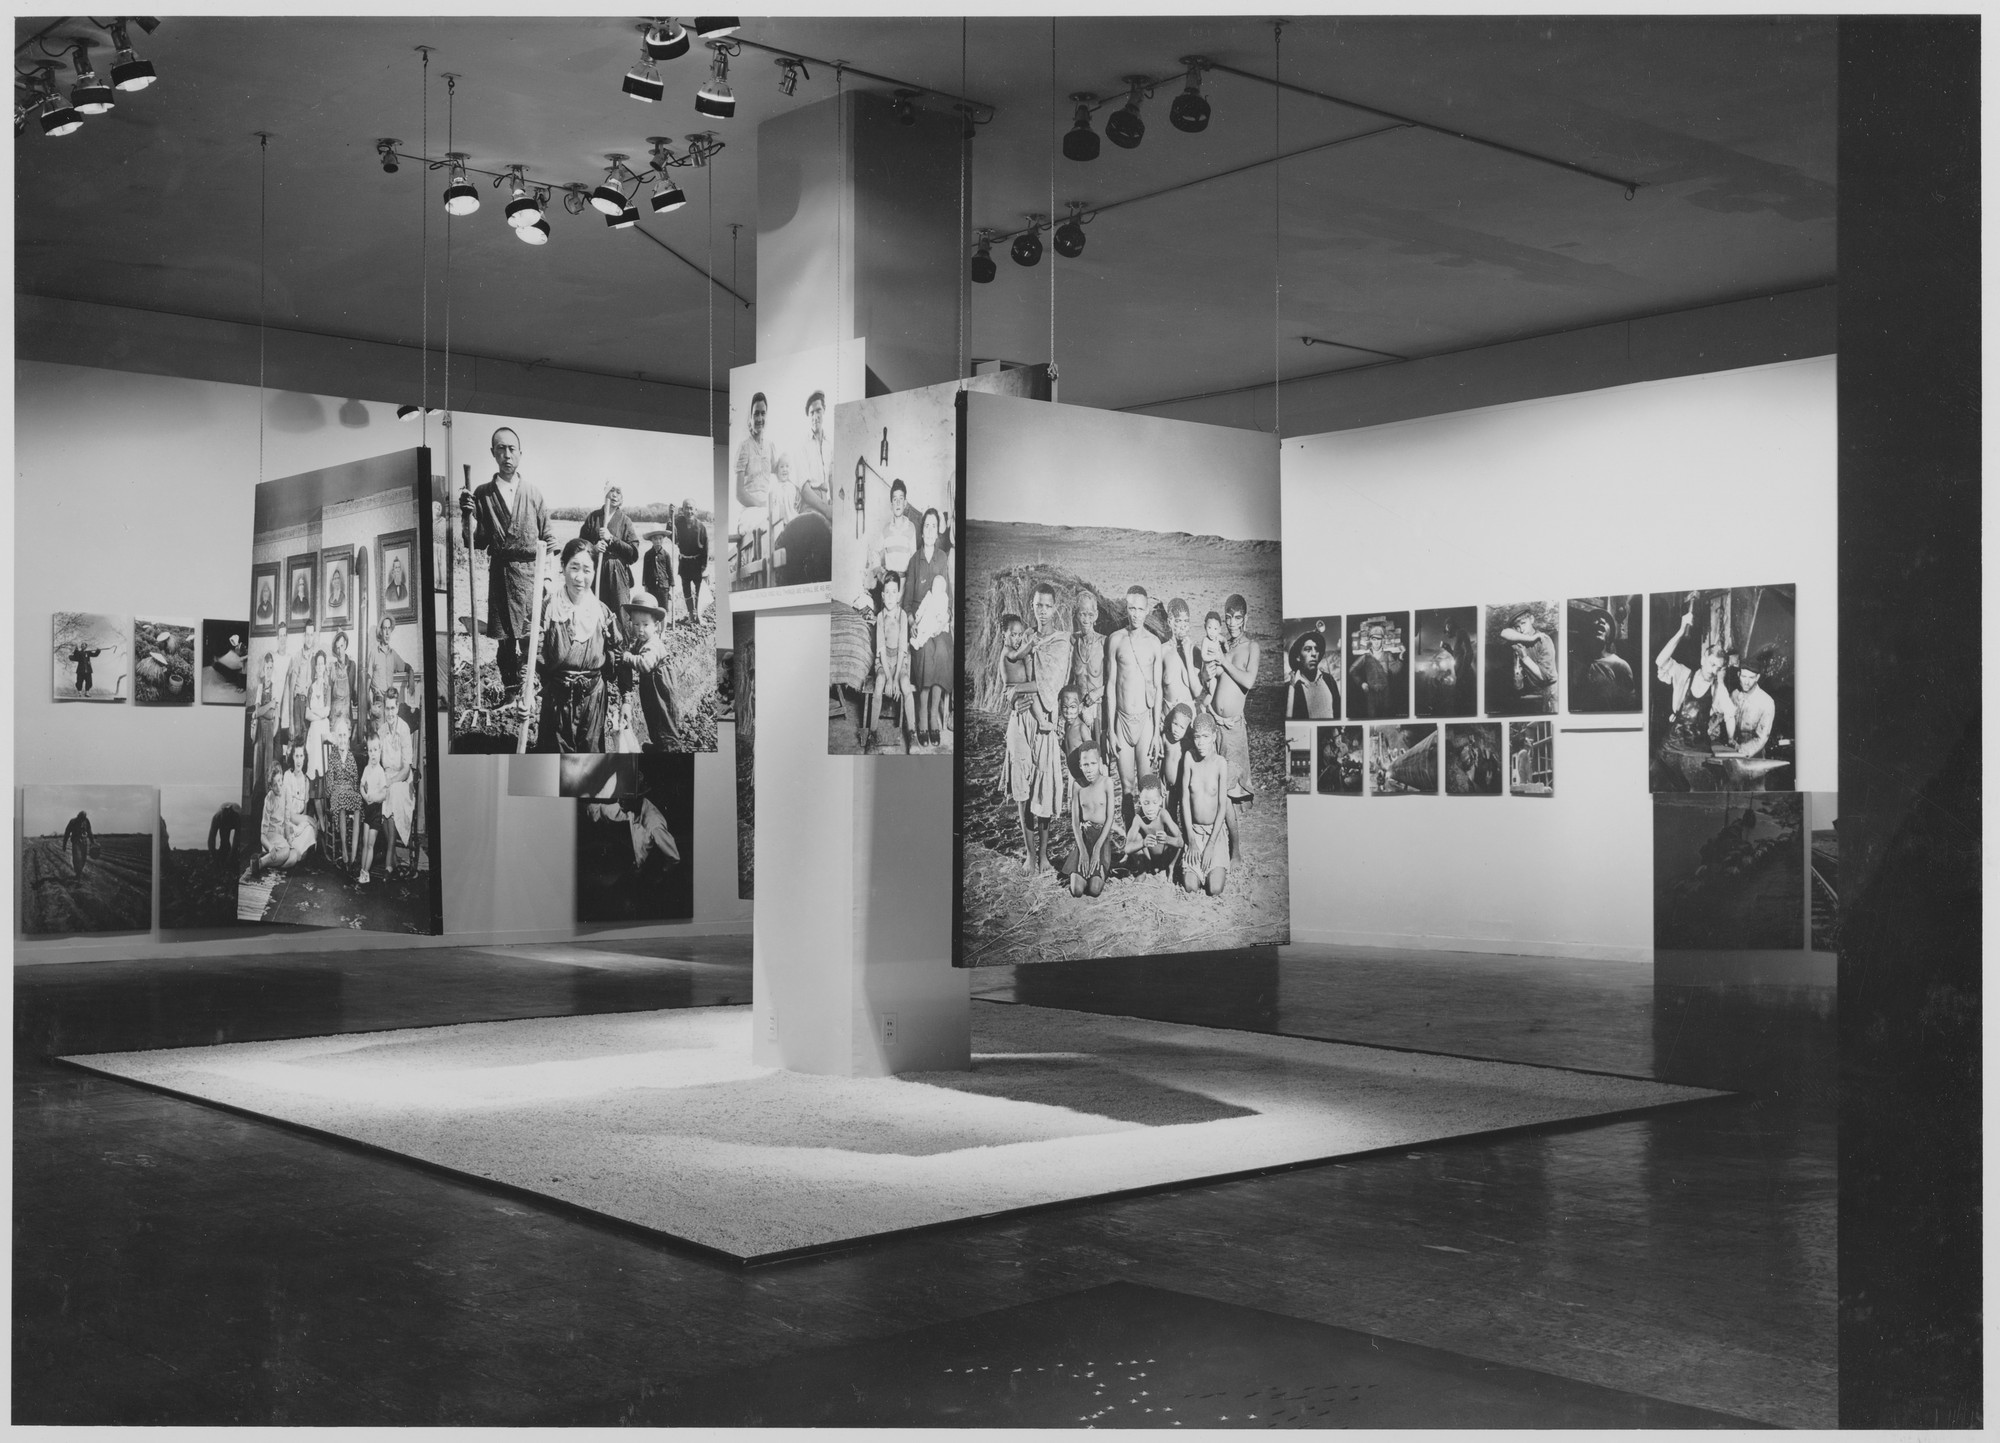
x,y
1069,235
642,82
535,234
794,69
610,196
56,115
716,27
523,209
666,40
461,197
410,412
1126,128
128,71
386,149
89,95
667,197
1027,247
983,268
1081,143
715,97
625,219
1189,112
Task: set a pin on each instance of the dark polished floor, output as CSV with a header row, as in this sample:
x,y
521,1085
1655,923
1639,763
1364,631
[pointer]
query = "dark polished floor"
x,y
178,1264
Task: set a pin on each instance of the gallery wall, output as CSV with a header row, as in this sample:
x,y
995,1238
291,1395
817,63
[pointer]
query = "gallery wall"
x,y
134,494
1716,480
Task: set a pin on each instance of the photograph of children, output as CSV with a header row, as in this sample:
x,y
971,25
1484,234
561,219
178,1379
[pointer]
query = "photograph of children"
x,y
92,656
199,829
1472,759
299,608
1447,662
1724,665
1299,759
1531,759
1312,668
634,838
86,859
581,613
743,670
225,659
1729,872
265,619
164,662
1823,818
1122,745
339,794
336,587
781,473
1521,665
1403,760
1342,771
1378,675
1604,654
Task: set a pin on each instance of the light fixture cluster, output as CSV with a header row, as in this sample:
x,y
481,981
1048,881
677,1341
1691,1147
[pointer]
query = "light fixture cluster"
x,y
669,39
615,197
1126,127
1026,250
90,94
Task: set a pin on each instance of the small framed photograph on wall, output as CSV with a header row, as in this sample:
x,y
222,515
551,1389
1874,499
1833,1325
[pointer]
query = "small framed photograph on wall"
x,y
300,611
336,586
265,619
396,555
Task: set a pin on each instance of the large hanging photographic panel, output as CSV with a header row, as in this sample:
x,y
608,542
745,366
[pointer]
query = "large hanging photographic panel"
x,y
1148,828
1605,663
86,859
201,827
1403,760
1531,759
225,660
1378,672
1729,871
634,838
895,522
623,639
1523,670
1446,662
1342,765
1474,764
92,656
1311,678
1723,672
163,666
782,461
339,793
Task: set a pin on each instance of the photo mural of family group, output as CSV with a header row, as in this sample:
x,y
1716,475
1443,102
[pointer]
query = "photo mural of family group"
x,y
580,606
895,614
1122,753
339,810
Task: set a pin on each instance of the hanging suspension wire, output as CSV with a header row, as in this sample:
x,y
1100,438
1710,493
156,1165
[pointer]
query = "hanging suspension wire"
x,y
450,143
1277,221
263,191
964,209
1055,141
424,253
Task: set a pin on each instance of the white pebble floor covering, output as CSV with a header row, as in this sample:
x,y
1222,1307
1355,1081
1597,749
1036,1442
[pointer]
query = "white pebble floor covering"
x,y
659,1118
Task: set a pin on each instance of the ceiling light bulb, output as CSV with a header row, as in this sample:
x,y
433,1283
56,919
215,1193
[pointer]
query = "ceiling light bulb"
x,y
1027,248
534,234
625,219
609,196
1069,238
523,209
666,42
1081,143
92,96
461,197
715,97
667,197
983,269
128,71
60,119
1125,128
716,27
642,82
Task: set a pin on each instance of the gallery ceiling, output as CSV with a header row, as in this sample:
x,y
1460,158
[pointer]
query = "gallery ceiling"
x,y
1407,243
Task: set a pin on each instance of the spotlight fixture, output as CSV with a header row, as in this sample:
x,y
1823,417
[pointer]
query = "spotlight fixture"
x,y
1027,247
610,196
715,97
667,197
983,269
1069,235
716,27
89,95
702,144
904,108
59,118
642,82
625,219
128,71
1081,143
1125,129
410,412
461,197
524,209
793,68
386,148
667,40
536,234
56,115
1189,111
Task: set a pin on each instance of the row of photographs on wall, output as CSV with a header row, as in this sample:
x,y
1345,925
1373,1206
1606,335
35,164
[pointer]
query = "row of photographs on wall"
x,y
1719,672
147,660
1746,871
88,861
1422,759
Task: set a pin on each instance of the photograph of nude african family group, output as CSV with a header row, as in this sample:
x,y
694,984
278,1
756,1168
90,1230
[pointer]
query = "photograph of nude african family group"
x,y
894,627
1122,753
339,796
